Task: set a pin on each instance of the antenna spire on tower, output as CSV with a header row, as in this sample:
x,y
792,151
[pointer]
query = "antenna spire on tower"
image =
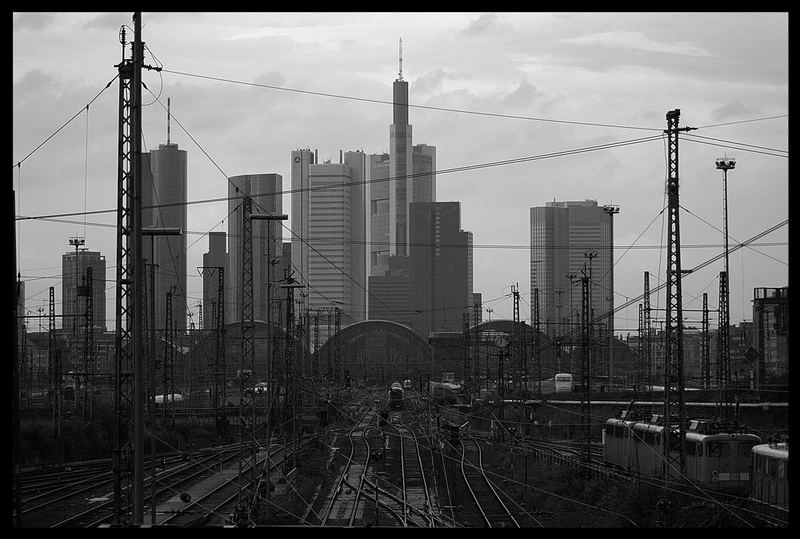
x,y
168,120
400,73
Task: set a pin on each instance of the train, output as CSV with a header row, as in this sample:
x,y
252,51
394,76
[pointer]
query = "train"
x,y
769,480
407,385
560,383
717,456
396,396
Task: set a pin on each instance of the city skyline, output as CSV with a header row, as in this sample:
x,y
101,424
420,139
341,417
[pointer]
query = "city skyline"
x,y
570,92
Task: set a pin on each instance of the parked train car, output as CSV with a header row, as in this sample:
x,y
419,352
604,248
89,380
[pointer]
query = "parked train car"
x,y
560,383
716,457
396,396
769,480
407,385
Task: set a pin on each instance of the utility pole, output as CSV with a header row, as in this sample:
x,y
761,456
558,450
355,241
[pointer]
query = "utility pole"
x,y
169,396
291,338
54,362
586,366
88,342
517,349
466,367
248,501
648,344
706,368
218,326
129,375
725,164
77,242
587,349
537,327
673,462
723,350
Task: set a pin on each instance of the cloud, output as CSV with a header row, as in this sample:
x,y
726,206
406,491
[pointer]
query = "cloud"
x,y
33,21
487,23
732,110
271,78
431,82
111,20
523,96
33,82
636,41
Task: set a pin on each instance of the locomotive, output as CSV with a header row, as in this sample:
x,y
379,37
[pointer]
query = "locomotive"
x,y
396,396
717,456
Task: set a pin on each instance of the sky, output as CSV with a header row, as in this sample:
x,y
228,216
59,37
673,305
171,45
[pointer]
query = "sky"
x,y
577,101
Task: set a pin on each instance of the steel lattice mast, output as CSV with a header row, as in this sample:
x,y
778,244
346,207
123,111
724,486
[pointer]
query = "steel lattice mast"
x,y
648,345
673,462
723,347
247,441
706,367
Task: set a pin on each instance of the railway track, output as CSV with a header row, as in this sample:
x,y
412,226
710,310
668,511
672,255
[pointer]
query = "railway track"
x,y
168,482
489,504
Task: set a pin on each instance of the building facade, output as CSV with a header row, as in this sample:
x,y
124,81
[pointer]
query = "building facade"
x,y
329,232
439,267
569,240
266,241
379,214
164,185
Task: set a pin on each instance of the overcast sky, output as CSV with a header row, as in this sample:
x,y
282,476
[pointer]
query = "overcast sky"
x,y
543,83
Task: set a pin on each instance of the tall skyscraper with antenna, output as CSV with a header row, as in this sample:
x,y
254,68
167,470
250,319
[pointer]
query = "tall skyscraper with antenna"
x,y
164,185
400,166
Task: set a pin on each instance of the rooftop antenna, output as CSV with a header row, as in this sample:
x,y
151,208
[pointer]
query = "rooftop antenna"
x,y
400,73
168,121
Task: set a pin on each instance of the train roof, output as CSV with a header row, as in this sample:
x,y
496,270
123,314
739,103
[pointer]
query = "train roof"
x,y
698,429
780,450
396,385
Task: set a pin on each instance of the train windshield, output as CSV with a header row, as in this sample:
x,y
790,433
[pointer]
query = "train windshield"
x,y
718,449
744,448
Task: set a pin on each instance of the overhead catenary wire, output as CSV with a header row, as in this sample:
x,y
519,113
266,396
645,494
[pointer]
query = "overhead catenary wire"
x,y
410,105
464,168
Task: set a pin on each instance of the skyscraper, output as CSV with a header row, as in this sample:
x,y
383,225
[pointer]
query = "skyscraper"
x,y
164,178
73,277
568,238
264,189
329,231
400,166
440,267
423,158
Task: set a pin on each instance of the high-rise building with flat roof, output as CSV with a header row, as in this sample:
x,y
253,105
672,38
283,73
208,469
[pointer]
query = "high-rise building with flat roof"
x,y
440,264
329,231
73,306
568,238
265,192
423,159
164,179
